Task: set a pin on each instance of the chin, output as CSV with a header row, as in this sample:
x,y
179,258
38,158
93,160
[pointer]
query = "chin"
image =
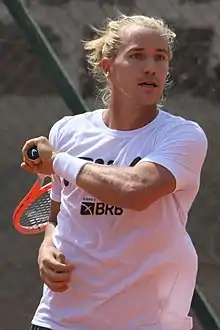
x,y
148,103
147,100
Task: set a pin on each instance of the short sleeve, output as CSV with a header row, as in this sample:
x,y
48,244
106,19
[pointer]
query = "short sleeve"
x,y
55,194
182,151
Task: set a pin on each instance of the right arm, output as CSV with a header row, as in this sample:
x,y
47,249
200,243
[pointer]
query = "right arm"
x,y
55,272
55,195
54,210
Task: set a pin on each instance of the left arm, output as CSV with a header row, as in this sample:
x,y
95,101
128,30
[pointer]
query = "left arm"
x,y
122,186
127,187
174,165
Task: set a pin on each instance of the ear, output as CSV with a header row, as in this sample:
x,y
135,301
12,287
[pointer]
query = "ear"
x,y
105,65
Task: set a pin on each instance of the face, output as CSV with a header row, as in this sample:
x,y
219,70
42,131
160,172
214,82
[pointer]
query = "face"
x,y
139,71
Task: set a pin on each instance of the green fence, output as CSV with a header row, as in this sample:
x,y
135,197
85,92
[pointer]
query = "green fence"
x,y
47,56
74,102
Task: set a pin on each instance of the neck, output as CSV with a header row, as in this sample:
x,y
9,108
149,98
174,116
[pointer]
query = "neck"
x,y
126,117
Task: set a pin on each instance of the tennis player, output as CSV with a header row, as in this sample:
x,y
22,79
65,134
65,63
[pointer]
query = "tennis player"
x,y
116,254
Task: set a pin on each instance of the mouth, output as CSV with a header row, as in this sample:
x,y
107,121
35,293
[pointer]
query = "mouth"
x,y
148,85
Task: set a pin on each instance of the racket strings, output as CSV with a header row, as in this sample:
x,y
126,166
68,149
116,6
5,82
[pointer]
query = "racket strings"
x,y
37,213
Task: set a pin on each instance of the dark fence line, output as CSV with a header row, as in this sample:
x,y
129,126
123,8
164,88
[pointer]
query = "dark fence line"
x,y
47,56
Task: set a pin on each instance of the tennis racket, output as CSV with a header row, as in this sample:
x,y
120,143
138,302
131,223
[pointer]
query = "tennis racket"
x,y
32,213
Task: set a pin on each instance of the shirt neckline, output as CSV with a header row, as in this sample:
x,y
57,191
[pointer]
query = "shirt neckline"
x,y
121,133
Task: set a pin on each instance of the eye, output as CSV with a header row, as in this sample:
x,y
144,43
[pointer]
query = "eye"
x,y
160,57
138,56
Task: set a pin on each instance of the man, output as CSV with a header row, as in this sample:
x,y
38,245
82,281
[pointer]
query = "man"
x,y
116,254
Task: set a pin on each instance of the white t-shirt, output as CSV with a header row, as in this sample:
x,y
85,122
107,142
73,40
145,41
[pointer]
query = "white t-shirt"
x,y
134,270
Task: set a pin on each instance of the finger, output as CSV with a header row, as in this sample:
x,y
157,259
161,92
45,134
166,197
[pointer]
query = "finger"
x,y
60,258
34,142
57,266
34,168
28,168
29,144
53,276
28,161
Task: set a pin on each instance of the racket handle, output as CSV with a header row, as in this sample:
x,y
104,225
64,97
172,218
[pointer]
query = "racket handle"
x,y
32,153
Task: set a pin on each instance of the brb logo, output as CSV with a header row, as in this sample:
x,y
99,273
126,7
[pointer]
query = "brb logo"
x,y
90,206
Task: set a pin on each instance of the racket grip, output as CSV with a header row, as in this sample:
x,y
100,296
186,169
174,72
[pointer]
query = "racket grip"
x,y
32,153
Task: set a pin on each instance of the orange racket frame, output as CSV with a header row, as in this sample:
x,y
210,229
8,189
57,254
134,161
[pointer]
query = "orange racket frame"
x,y
37,190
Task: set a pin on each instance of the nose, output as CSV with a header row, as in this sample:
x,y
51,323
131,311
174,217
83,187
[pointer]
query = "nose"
x,y
149,65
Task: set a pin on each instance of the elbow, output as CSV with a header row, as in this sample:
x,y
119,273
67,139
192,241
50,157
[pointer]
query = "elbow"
x,y
135,197
136,203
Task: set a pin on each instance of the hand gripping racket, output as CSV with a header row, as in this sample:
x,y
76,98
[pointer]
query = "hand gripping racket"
x,y
32,213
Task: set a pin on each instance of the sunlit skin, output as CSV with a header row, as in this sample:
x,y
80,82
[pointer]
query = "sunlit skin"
x,y
143,57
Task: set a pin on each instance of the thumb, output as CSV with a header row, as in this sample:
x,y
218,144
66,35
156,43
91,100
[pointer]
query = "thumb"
x,y
27,168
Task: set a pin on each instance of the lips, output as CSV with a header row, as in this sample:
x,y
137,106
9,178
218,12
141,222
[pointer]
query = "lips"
x,y
148,84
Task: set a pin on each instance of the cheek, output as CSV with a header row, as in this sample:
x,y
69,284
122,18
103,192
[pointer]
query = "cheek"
x,y
121,75
162,73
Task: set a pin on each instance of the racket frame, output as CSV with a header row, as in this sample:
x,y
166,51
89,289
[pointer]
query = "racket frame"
x,y
35,192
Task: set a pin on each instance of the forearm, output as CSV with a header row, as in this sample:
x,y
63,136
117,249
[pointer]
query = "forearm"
x,y
121,186
114,185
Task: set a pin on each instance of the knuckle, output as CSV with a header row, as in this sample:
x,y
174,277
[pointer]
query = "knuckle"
x,y
60,255
45,262
42,139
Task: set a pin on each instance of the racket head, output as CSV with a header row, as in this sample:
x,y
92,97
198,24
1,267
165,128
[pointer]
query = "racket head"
x,y
32,213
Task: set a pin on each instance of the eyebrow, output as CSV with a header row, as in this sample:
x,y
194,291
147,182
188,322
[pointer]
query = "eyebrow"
x,y
140,49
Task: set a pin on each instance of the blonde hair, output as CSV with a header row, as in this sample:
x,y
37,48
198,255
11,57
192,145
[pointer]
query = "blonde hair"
x,y
107,41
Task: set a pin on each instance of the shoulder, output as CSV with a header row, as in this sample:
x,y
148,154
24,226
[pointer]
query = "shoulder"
x,y
66,127
62,127
58,125
177,128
